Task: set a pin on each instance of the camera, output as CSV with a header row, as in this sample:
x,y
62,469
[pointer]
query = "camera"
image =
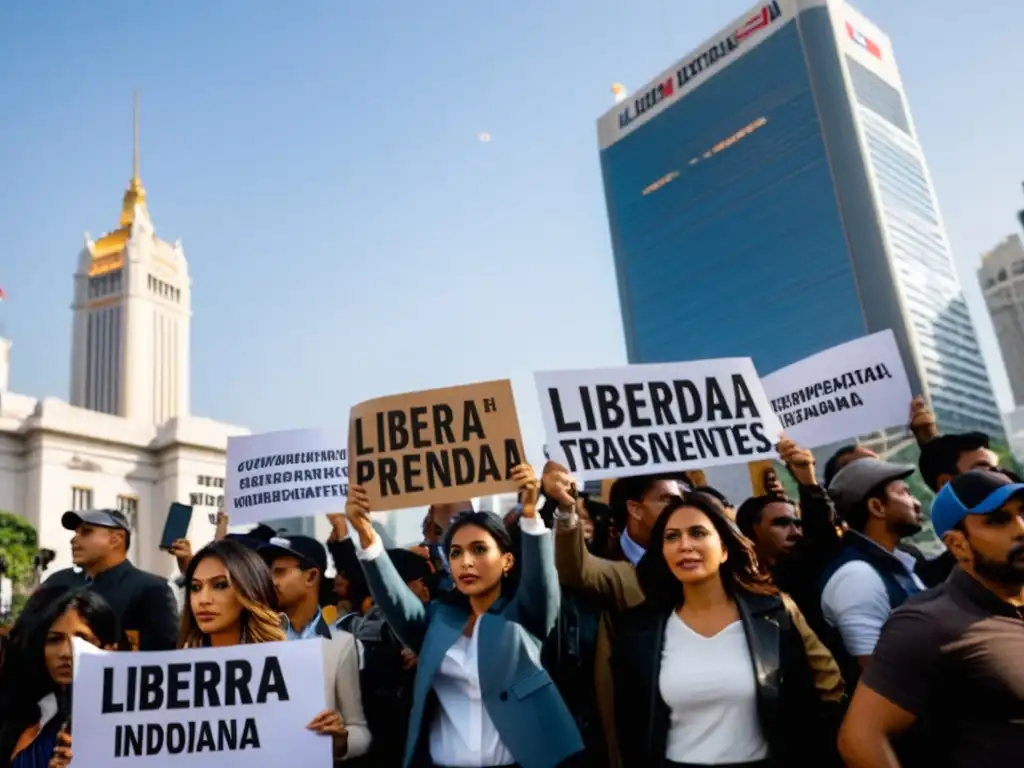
x,y
42,560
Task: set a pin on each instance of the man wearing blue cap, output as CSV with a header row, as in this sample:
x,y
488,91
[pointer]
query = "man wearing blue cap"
x,y
951,660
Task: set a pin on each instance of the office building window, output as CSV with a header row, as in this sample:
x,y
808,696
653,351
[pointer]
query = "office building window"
x,y
81,498
129,507
877,95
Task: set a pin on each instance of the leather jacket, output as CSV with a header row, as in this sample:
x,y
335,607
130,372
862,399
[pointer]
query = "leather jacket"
x,y
798,724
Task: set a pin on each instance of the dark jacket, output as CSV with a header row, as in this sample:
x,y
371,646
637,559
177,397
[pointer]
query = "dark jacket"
x,y
931,571
569,655
386,687
527,711
798,722
143,602
799,574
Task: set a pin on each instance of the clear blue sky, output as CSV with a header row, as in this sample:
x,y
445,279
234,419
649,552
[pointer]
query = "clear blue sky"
x,y
347,234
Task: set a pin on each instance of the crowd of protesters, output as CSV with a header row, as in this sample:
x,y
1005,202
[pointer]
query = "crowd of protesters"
x,y
662,628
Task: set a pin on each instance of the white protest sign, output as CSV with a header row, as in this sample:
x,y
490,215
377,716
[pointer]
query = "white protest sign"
x,y
297,473
843,392
202,707
665,417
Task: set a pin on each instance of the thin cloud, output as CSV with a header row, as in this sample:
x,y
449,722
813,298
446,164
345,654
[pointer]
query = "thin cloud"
x,y
483,137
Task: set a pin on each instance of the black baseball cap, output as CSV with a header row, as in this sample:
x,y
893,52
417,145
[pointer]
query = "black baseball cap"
x,y
101,518
940,454
307,550
254,539
409,565
977,492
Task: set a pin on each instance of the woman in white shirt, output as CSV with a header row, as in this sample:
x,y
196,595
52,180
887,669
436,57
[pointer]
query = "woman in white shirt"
x,y
481,698
717,667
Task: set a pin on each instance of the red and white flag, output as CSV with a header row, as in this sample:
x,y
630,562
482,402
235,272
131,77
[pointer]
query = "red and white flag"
x,y
864,41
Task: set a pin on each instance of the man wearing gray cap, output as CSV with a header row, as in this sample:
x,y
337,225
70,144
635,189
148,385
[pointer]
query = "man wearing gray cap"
x,y
144,603
870,576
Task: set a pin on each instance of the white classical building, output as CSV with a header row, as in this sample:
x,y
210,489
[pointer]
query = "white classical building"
x,y
126,439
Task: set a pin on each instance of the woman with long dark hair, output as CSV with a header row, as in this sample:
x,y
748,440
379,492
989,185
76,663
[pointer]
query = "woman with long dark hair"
x,y
481,698
231,600
717,667
35,676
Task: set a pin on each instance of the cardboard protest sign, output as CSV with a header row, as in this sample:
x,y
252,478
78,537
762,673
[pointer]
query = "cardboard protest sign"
x,y
845,391
436,446
670,417
297,473
201,707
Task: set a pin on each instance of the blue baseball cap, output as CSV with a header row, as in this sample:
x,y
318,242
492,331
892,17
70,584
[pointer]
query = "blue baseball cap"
x,y
977,492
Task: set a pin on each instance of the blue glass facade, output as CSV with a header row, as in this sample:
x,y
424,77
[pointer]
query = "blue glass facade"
x,y
743,253
750,218
958,380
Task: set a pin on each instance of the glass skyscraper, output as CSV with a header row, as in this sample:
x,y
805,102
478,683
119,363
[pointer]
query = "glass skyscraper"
x,y
767,196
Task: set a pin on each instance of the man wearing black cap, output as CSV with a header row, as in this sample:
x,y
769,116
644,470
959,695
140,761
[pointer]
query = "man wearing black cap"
x,y
870,576
144,603
949,662
946,456
297,564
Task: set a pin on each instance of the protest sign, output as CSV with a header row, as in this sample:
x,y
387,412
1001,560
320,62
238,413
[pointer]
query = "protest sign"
x,y
843,392
201,707
297,473
436,446
670,417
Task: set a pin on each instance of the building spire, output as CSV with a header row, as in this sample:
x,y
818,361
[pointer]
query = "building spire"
x,y
136,181
135,195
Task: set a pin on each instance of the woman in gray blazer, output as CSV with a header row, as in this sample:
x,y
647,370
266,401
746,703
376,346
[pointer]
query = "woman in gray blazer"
x,y
481,698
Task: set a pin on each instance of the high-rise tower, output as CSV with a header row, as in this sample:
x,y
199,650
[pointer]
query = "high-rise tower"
x,y
768,196
130,333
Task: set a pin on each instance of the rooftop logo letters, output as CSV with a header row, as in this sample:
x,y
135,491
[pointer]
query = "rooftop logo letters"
x,y
767,15
647,101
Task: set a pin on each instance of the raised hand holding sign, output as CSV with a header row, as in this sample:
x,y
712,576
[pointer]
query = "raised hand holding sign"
x,y
357,510
799,461
529,488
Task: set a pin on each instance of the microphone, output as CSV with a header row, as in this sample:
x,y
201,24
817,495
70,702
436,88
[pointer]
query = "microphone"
x,y
64,707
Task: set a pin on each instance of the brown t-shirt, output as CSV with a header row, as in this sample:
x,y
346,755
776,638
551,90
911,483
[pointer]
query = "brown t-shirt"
x,y
954,656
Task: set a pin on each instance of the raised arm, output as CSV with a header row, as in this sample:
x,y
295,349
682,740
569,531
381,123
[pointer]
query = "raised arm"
x,y
615,582
821,536
403,610
538,597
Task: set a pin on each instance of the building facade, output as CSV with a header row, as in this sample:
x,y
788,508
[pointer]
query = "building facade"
x,y
1001,276
767,196
126,439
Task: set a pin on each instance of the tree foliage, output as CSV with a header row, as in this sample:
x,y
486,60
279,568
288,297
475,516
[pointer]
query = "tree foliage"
x,y
18,545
